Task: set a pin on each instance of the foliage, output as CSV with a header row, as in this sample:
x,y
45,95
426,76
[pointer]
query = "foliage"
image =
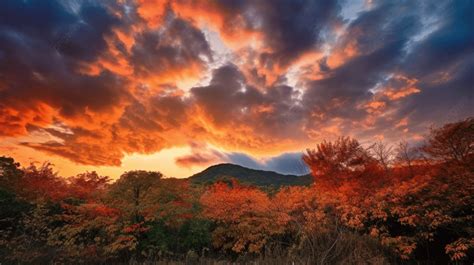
x,y
367,205
10,174
130,191
337,163
452,144
244,217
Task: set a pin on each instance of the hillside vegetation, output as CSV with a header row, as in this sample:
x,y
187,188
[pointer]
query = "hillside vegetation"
x,y
377,204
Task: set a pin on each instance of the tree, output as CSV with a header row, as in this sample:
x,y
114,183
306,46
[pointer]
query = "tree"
x,y
406,156
173,201
130,190
11,207
244,217
432,211
10,173
88,233
382,153
42,183
87,185
334,163
453,144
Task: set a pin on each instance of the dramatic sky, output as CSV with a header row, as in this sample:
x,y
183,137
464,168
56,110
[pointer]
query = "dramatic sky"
x,y
176,86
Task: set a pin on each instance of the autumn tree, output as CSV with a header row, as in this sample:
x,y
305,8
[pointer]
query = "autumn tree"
x,y
427,211
131,189
453,144
173,201
87,185
244,217
344,160
42,183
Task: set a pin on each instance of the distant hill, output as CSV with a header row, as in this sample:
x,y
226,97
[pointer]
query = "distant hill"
x,y
248,176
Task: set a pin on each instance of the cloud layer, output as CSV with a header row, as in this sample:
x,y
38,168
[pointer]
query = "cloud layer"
x,y
254,78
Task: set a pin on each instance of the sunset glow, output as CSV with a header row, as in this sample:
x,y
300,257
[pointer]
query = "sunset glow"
x,y
214,132
176,86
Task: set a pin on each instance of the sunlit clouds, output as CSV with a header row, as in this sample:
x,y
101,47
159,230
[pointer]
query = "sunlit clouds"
x,y
179,85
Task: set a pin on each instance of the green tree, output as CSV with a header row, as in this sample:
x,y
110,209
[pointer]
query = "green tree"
x,y
10,173
131,189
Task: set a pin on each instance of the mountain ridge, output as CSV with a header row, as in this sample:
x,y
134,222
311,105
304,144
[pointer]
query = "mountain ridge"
x,y
244,175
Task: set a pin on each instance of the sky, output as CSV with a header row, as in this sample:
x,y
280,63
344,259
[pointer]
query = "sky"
x,y
176,86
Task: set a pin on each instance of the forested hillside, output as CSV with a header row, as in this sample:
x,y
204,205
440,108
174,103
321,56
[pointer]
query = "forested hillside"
x,y
249,176
375,204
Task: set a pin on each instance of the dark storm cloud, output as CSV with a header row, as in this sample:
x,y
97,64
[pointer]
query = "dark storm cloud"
x,y
392,40
177,46
444,101
443,62
230,100
104,72
379,54
78,36
84,40
218,97
293,27
41,44
448,44
348,85
289,29
35,18
162,112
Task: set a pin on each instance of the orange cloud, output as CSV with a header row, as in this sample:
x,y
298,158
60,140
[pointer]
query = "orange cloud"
x,y
400,87
401,93
402,123
341,54
14,121
374,106
152,11
133,88
232,27
346,46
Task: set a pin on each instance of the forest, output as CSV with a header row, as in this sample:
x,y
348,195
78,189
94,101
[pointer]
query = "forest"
x,y
368,204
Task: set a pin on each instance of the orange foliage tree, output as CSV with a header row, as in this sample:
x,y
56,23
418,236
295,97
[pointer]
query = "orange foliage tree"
x,y
244,216
334,164
430,208
42,183
87,186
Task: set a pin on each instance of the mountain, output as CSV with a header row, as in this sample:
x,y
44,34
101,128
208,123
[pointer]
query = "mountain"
x,y
248,176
